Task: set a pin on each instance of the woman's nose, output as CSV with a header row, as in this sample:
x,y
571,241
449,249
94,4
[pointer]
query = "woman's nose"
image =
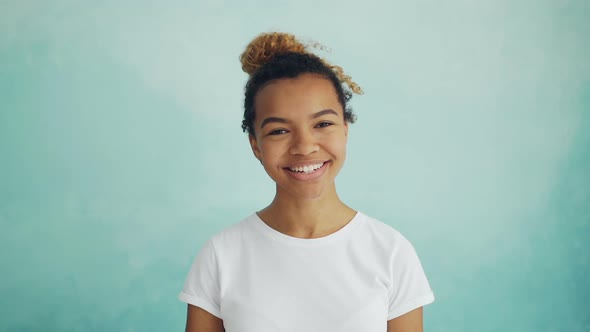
x,y
303,144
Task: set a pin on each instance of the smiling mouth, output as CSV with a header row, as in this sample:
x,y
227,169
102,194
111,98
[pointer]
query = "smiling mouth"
x,y
307,169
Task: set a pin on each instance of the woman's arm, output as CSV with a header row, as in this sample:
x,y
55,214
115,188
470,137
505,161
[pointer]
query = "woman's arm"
x,y
409,322
199,320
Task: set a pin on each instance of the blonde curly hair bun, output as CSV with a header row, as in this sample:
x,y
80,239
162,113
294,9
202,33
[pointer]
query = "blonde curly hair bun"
x,y
266,45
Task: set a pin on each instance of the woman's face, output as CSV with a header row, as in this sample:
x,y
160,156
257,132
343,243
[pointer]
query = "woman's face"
x,y
300,135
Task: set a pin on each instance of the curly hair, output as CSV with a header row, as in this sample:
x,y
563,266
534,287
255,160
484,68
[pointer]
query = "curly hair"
x,y
272,56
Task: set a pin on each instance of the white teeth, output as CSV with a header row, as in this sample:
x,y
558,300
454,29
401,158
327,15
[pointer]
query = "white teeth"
x,y
306,169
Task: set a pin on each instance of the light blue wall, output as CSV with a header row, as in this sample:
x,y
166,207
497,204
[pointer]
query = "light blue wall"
x,y
121,151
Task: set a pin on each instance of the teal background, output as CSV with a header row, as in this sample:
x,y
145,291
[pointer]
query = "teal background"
x,y
121,151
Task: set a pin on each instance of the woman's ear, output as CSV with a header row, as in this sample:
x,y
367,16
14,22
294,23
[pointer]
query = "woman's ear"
x,y
255,148
346,129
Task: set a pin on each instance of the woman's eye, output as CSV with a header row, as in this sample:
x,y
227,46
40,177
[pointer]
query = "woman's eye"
x,y
323,124
277,132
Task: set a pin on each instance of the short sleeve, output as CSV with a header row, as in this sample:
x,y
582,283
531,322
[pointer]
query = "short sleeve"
x,y
409,288
201,287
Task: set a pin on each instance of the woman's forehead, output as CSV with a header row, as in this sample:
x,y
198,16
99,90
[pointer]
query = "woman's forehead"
x,y
305,92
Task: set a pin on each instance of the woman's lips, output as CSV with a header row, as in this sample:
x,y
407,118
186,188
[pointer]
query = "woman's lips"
x,y
307,168
309,175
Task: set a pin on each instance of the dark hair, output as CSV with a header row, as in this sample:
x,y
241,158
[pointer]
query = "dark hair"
x,y
290,65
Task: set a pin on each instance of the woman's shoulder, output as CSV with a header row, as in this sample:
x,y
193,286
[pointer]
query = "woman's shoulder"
x,y
381,231
378,226
232,234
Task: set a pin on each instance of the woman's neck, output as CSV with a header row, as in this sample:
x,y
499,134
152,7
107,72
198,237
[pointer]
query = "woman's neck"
x,y
307,218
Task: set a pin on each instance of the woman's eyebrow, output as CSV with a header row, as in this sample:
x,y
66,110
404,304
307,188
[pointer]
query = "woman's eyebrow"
x,y
272,119
324,112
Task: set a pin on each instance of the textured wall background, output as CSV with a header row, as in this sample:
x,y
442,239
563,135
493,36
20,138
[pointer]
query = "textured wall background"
x,y
121,151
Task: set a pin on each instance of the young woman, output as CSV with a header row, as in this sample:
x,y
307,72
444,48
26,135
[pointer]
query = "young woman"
x,y
306,262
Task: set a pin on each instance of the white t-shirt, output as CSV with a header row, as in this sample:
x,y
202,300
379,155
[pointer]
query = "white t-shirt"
x,y
257,279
